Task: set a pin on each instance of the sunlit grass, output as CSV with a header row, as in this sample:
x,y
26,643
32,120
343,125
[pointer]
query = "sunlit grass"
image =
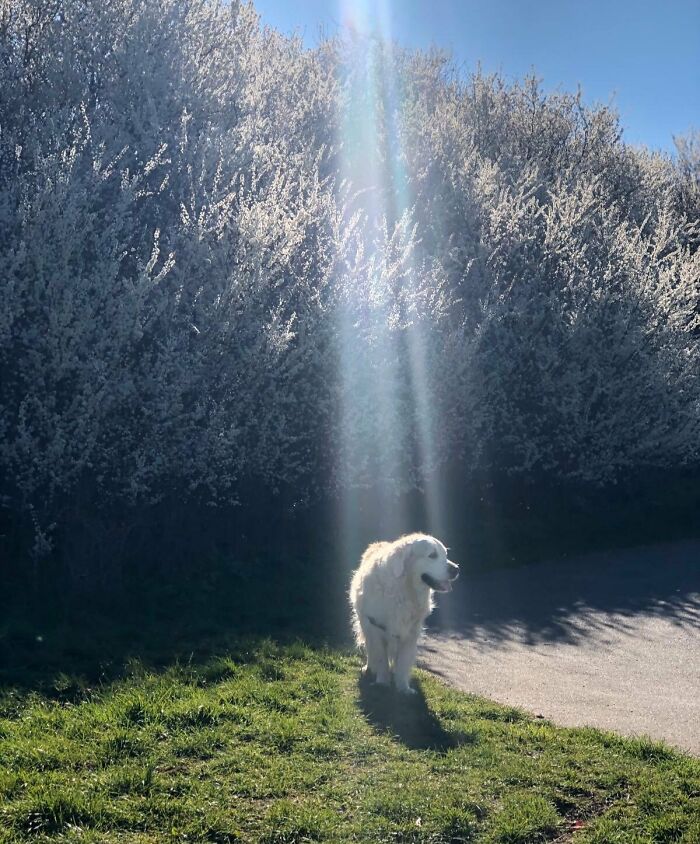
x,y
276,743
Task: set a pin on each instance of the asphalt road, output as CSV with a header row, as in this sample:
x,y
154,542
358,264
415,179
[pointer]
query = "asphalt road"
x,y
607,640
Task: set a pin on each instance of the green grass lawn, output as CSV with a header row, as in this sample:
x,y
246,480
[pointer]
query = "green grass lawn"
x,y
228,707
271,742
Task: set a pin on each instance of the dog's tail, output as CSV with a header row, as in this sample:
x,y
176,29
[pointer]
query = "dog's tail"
x,y
357,628
354,597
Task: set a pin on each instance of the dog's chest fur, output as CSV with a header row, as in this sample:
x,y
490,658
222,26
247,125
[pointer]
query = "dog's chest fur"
x,y
395,604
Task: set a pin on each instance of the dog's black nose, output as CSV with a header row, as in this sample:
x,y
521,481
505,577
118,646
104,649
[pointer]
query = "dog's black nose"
x,y
455,572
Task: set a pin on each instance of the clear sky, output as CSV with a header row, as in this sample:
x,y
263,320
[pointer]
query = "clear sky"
x,y
641,56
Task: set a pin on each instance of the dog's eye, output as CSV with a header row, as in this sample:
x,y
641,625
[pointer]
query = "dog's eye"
x,y
433,555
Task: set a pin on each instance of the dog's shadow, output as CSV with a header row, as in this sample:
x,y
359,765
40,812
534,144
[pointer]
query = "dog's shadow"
x,y
406,717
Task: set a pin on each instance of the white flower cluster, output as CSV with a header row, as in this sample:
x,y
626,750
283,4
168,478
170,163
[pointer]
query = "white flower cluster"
x,y
200,286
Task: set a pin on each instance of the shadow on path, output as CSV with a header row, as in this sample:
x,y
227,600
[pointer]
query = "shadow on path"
x,y
569,600
606,640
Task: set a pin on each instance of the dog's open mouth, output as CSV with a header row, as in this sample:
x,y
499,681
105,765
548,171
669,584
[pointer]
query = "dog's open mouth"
x,y
437,585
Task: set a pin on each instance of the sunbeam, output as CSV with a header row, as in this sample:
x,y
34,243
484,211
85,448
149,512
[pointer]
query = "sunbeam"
x,y
387,408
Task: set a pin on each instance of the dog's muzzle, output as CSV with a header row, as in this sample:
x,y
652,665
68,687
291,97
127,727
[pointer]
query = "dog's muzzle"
x,y
442,585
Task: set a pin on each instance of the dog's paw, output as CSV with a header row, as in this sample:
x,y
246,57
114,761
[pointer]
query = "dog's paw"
x,y
367,677
405,690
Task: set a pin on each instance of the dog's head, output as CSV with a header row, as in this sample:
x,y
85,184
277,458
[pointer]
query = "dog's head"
x,y
424,559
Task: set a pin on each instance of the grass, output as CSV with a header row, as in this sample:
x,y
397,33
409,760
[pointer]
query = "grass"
x,y
280,743
165,724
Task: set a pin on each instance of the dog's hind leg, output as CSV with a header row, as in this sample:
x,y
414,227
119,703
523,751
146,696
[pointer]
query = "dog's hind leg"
x,y
377,659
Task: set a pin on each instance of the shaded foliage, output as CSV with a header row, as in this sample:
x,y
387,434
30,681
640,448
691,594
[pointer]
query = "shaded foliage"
x,y
219,287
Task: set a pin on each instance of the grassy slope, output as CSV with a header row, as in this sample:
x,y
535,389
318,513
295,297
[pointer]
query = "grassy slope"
x,y
279,743
164,724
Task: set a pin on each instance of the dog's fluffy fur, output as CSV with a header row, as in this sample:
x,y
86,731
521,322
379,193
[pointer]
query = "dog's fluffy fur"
x,y
391,595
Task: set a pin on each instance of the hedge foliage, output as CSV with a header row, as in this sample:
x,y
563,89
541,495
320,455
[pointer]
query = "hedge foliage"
x,y
227,258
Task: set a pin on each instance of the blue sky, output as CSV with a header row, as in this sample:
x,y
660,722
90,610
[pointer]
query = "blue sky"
x,y
643,57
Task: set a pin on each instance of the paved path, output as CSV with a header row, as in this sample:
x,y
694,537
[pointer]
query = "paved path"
x,y
607,640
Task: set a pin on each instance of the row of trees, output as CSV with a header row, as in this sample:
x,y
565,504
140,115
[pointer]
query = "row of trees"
x,y
204,292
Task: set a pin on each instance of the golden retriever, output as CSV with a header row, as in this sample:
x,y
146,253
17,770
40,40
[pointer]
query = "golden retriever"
x,y
391,595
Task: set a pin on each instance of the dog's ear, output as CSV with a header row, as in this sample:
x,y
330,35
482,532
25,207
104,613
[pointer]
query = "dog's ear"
x,y
422,547
397,563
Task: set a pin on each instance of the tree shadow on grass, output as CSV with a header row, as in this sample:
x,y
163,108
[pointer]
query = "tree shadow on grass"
x,y
64,647
61,647
407,718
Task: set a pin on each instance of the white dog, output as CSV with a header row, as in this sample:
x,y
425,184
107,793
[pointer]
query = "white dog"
x,y
391,596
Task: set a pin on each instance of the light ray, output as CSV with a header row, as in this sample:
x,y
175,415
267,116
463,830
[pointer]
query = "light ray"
x,y
378,362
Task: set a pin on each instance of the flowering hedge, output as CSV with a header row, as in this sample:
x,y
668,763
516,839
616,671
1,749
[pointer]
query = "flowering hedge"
x,y
206,280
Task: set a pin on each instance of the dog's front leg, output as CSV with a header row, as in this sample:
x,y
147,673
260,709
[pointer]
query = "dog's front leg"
x,y
377,657
405,660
